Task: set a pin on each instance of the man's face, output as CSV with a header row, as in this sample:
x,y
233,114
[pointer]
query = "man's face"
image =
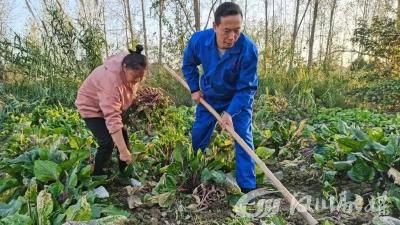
x,y
228,31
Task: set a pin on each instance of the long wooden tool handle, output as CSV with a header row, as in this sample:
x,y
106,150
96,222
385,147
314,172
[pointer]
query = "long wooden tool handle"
x,y
277,184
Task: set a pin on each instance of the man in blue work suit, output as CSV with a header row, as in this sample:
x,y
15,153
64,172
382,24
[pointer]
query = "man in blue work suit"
x,y
229,82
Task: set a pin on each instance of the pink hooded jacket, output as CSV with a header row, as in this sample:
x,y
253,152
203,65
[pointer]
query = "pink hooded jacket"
x,y
106,93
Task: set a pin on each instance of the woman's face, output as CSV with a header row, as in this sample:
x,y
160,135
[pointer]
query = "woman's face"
x,y
134,75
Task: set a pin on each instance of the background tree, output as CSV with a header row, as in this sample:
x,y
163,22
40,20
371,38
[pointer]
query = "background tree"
x,y
312,34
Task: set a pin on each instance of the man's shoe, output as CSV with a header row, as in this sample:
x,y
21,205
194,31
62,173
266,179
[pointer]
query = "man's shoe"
x,y
246,191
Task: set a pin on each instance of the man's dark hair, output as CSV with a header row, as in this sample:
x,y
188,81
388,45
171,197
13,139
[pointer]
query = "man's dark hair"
x,y
227,9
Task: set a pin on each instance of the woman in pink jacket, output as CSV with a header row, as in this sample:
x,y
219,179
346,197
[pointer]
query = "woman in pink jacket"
x,y
105,94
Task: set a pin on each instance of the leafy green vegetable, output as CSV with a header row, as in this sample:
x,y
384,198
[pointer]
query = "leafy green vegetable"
x,y
11,208
349,145
44,207
343,165
6,184
213,175
265,153
16,219
361,171
81,211
113,211
32,190
45,170
164,199
73,178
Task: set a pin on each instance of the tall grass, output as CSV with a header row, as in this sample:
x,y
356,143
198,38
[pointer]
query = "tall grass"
x,y
52,64
307,88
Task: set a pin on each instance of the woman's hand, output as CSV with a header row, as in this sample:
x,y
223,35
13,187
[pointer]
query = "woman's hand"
x,y
125,156
124,153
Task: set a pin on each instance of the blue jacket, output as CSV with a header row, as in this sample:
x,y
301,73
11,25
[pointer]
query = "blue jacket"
x,y
231,78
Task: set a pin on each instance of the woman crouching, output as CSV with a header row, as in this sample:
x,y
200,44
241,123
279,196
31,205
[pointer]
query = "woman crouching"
x,y
106,93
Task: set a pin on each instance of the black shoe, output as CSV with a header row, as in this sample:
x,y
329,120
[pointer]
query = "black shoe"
x,y
247,190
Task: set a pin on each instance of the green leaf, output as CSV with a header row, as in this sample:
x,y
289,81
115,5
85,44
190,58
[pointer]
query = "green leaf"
x,y
361,135
97,180
349,145
44,207
16,219
326,222
75,157
57,156
7,183
46,170
73,143
166,184
343,165
32,190
26,157
377,146
59,219
361,171
265,153
216,164
96,210
110,220
329,175
178,153
56,188
277,220
206,175
195,161
376,134
73,178
164,199
395,201
380,166
216,176
328,189
11,208
393,146
358,155
231,185
174,169
267,133
320,159
8,194
81,211
113,211
233,199
44,154
85,172
343,128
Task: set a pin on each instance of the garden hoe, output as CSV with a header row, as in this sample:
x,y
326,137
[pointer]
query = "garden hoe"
x,y
277,184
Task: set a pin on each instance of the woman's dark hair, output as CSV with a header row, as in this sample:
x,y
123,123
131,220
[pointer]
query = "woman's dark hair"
x,y
226,9
135,60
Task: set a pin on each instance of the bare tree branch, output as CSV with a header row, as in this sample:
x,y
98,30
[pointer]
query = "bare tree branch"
x,y
302,18
196,7
186,14
209,13
28,4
